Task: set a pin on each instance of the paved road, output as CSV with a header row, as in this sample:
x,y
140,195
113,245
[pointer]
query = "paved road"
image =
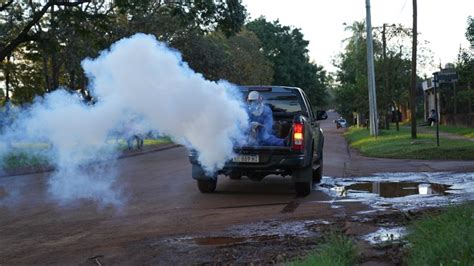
x,y
161,200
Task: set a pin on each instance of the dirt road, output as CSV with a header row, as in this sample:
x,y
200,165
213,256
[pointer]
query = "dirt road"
x,y
161,203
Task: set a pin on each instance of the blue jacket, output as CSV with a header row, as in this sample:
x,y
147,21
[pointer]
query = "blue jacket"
x,y
265,136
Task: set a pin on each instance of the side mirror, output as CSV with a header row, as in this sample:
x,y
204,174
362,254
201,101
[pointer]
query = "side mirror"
x,y
321,115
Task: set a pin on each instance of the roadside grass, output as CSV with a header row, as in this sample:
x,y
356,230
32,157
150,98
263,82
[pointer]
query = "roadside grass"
x,y
18,159
35,154
122,143
400,145
446,239
463,131
338,250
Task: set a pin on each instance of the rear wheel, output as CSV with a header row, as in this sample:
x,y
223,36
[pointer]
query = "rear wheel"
x,y
318,173
207,186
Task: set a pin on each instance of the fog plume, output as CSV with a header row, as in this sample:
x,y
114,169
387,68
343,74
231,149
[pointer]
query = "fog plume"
x,y
137,77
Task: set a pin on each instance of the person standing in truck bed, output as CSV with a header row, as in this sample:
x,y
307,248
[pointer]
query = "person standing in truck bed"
x,y
261,121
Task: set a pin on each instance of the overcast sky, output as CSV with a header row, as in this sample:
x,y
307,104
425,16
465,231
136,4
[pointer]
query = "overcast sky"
x,y
442,23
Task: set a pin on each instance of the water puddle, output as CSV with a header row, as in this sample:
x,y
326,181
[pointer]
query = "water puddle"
x,y
400,189
386,235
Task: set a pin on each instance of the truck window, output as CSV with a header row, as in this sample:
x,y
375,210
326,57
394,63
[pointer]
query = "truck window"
x,y
282,102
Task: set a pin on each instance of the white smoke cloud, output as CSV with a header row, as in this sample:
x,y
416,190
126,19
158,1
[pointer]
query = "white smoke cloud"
x,y
142,77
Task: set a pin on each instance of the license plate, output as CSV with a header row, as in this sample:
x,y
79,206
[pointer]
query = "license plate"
x,y
246,159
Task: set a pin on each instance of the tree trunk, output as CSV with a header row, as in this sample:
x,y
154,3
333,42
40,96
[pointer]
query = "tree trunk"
x,y
54,71
413,73
54,57
72,80
470,96
7,80
47,80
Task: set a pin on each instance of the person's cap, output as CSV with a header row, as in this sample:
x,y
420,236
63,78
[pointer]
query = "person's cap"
x,y
253,96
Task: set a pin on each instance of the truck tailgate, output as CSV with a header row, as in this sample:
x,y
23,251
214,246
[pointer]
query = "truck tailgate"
x,y
254,156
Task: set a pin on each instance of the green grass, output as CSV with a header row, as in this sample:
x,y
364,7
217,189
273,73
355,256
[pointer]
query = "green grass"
x,y
164,140
447,239
17,159
463,131
400,145
122,144
339,250
33,154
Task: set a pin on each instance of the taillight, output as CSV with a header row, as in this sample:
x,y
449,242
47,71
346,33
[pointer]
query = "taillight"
x,y
298,136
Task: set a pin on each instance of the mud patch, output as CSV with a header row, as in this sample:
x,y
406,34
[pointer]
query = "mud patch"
x,y
224,240
266,242
3,193
290,207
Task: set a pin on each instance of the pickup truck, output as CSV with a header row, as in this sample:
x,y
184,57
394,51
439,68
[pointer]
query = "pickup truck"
x,y
302,158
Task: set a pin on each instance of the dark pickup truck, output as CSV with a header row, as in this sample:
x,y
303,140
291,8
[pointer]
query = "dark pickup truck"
x,y
302,159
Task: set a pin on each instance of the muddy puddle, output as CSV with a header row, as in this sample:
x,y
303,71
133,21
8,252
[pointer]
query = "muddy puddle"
x,y
399,189
403,191
386,236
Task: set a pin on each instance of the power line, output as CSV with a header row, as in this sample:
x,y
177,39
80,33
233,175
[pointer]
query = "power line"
x,y
401,10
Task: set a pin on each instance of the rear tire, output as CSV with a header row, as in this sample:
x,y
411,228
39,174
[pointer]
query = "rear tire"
x,y
207,186
303,181
318,173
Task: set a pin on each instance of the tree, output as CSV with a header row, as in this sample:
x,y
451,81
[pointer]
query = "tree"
x,y
352,70
470,31
237,59
287,50
352,93
465,69
42,43
10,43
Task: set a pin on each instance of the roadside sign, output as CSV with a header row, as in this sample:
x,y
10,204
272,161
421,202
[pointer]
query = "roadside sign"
x,y
446,76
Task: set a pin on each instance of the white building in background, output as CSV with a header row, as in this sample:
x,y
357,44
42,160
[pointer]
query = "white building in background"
x,y
428,90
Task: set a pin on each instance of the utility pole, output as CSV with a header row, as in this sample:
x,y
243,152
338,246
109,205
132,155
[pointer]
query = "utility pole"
x,y
371,75
385,73
413,73
435,82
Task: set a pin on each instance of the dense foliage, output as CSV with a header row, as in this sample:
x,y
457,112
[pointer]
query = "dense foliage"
x,y
392,73
42,43
287,50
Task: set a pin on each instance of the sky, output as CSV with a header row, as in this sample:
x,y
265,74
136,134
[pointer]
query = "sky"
x,y
442,23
